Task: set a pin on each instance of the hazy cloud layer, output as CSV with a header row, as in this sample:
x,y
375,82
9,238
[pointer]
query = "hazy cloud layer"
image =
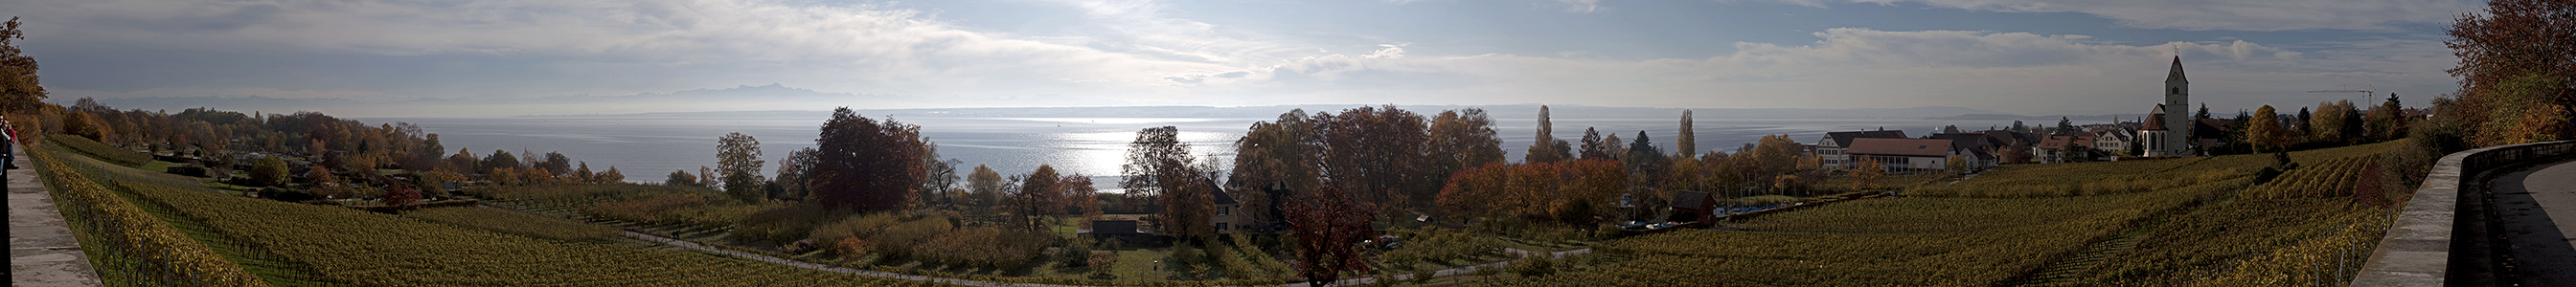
x,y
1135,52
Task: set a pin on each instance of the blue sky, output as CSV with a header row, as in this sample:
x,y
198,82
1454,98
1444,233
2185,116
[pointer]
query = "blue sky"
x,y
2027,57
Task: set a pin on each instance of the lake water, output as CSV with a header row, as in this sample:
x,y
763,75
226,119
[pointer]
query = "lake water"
x,y
646,148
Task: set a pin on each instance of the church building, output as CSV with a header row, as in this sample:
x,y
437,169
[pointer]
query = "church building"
x,y
2168,128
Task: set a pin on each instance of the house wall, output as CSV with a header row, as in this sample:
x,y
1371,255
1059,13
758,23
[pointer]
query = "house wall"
x,y
1830,155
1229,219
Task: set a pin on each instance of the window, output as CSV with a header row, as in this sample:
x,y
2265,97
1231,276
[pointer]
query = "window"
x,y
2176,90
1220,226
1224,210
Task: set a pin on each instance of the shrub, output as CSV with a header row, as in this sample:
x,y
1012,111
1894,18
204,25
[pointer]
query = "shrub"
x,y
853,227
1102,263
976,246
898,241
1534,265
850,247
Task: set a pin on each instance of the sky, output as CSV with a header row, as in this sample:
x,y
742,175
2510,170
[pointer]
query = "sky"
x,y
2024,57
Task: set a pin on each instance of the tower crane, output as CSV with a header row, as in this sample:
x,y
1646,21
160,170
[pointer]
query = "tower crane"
x,y
2368,92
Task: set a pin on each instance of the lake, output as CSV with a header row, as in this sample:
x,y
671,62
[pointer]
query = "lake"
x,y
647,149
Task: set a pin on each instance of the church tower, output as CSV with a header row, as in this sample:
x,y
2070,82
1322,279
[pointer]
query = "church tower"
x,y
2178,97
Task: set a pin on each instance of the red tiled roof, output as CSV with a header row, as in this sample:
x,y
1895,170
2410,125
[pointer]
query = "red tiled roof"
x,y
1904,147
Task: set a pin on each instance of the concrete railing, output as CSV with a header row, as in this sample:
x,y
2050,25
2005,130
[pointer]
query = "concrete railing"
x,y
2417,250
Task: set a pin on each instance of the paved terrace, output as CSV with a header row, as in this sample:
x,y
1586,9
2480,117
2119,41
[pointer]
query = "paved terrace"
x,y
2538,208
2496,216
42,251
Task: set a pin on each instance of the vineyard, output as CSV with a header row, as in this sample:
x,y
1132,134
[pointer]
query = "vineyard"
x,y
513,222
2207,224
2318,179
345,246
102,151
2097,178
1883,242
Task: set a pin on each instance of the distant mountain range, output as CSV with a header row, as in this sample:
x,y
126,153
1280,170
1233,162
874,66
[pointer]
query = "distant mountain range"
x,y
2009,117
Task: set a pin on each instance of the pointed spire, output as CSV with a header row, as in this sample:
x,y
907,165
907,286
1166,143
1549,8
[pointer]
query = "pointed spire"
x,y
2176,75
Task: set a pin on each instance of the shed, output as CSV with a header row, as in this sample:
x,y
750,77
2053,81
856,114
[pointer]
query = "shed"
x,y
1691,206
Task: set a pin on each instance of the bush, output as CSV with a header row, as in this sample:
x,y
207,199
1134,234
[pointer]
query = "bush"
x,y
898,241
853,227
979,246
850,247
1102,263
1534,265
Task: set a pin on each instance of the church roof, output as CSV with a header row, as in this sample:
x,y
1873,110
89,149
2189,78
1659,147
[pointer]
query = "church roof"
x,y
2155,119
2176,75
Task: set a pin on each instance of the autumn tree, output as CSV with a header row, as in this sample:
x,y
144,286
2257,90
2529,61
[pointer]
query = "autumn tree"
x,y
1688,145
2387,121
401,194
462,162
676,178
2264,130
1474,192
612,175
983,188
2517,72
793,173
269,171
1282,153
866,164
19,88
1461,139
498,160
1159,166
1039,197
2329,124
1545,147
552,163
1328,226
1594,185
738,165
1868,174
938,176
1376,153
1080,197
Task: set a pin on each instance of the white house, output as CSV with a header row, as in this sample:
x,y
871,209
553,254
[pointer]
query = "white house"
x,y
1833,149
1903,155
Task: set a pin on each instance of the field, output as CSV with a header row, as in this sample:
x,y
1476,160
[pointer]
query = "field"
x,y
2113,223
327,245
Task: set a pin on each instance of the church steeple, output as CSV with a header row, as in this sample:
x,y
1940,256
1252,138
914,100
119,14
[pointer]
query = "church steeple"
x,y
2176,74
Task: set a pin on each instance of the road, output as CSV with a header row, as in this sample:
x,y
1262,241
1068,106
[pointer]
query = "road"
x,y
2538,207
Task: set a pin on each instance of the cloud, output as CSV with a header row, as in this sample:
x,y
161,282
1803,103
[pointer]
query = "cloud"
x,y
887,48
2268,15
1847,67
1581,6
